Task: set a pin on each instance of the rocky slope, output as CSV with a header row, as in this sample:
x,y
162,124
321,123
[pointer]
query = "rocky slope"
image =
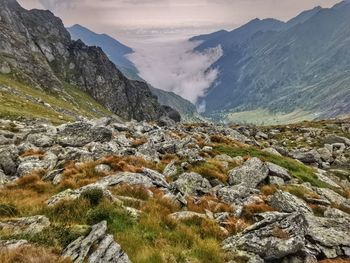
x,y
109,191
299,67
37,49
117,53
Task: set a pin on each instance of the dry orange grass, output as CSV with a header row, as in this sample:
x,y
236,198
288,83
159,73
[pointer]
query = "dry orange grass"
x,y
250,210
138,142
31,152
337,260
209,203
235,225
30,254
268,189
135,191
127,163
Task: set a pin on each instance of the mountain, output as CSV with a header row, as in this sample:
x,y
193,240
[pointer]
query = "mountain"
x,y
37,50
294,70
117,52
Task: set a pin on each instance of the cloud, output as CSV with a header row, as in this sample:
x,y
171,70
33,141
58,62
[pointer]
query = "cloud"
x,y
56,5
174,66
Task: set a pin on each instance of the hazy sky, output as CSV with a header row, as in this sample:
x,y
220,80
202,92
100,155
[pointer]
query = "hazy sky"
x,y
111,16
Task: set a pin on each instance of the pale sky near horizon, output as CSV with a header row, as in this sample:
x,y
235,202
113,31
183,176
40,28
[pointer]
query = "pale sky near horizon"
x,y
112,16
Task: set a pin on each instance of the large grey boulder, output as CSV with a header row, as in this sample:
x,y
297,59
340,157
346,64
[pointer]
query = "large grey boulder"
x,y
191,184
47,162
96,247
8,156
81,133
288,203
40,140
25,225
276,236
332,138
307,157
330,235
278,171
236,194
251,173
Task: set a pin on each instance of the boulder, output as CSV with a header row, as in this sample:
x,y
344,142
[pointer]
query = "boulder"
x,y
96,247
80,133
191,184
251,173
278,171
236,194
288,203
12,244
40,140
8,162
307,157
25,225
276,236
183,215
330,235
158,179
332,138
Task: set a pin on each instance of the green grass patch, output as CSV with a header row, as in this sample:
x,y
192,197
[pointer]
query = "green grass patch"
x,y
296,169
21,101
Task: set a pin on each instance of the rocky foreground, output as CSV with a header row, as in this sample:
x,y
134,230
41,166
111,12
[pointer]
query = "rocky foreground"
x,y
105,191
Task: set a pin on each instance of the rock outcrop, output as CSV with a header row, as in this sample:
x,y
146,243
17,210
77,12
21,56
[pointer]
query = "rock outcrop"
x,y
105,249
36,48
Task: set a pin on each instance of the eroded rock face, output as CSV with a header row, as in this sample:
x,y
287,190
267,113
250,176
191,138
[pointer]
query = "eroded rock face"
x,y
105,249
37,46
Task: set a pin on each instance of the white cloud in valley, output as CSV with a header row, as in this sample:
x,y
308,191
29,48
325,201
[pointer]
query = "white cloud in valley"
x,y
174,66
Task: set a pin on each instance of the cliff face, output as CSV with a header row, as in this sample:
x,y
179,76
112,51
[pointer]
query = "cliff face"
x,y
36,48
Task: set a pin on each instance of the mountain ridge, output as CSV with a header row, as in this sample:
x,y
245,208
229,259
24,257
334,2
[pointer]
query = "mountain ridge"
x,y
37,49
298,68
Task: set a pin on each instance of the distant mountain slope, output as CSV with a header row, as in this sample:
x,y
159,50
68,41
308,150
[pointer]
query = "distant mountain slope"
x,y
35,48
117,52
299,66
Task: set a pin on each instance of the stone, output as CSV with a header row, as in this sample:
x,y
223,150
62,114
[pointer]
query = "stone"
x,y
80,133
191,184
158,179
330,235
272,151
325,154
252,173
236,194
335,213
7,163
12,244
96,247
25,225
276,236
278,171
330,195
288,203
307,157
103,168
332,138
274,180
183,215
170,169
40,140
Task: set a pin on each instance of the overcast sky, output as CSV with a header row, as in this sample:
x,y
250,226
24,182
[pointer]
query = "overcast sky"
x,y
111,16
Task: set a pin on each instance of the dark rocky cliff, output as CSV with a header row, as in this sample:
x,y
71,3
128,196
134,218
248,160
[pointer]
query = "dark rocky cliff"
x,y
36,48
